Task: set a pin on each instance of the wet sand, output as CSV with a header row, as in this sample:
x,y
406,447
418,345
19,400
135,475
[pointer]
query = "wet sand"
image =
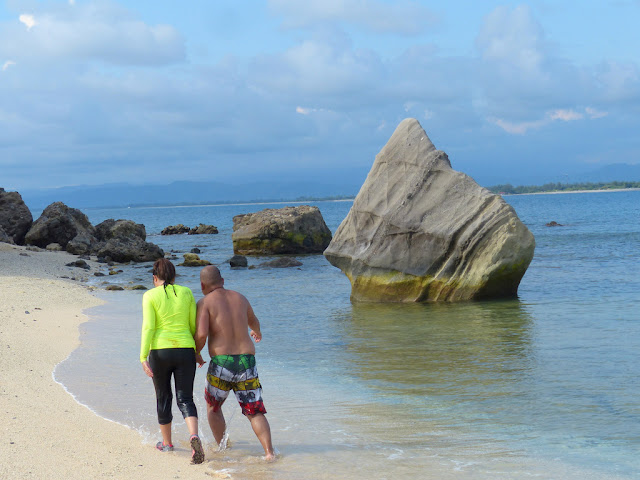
x,y
46,433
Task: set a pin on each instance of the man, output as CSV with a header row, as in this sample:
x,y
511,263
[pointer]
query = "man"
x,y
227,319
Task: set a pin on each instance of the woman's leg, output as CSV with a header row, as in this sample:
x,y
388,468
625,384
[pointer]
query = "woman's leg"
x,y
183,376
185,372
162,370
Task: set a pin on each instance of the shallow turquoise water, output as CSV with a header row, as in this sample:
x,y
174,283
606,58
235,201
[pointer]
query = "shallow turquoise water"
x,y
544,386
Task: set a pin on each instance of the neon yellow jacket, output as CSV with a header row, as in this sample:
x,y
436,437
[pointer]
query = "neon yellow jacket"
x,y
168,319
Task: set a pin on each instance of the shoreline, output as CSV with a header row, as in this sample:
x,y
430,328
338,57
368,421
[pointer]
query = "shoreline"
x,y
557,192
47,432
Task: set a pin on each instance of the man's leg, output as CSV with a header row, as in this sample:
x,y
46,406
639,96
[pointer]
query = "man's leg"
x,y
216,422
262,430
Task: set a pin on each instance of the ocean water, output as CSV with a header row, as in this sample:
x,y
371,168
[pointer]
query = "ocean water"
x,y
545,386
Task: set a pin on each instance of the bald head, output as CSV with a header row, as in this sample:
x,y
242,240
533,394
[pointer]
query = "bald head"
x,y
210,276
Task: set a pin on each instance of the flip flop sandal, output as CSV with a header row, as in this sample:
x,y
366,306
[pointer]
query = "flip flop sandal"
x,y
197,453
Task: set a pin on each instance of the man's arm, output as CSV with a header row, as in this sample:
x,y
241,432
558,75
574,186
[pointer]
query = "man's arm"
x,y
254,324
202,327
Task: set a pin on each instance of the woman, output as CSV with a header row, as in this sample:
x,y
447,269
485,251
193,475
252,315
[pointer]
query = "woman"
x,y
167,348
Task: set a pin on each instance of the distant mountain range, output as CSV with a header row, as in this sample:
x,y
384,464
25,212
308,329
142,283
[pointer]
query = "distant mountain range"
x,y
194,193
184,193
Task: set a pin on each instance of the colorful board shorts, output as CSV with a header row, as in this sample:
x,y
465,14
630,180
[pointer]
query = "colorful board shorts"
x,y
237,373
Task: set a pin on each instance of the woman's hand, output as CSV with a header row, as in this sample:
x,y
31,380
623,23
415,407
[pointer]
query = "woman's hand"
x,y
199,360
147,369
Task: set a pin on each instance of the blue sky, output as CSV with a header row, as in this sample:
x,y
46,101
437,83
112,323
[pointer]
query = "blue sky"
x,y
146,91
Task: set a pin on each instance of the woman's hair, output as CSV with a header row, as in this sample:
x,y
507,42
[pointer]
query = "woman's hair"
x,y
164,270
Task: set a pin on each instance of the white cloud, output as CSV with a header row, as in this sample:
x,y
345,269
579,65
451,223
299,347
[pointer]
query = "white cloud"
x,y
304,111
513,37
563,115
28,20
402,17
100,31
516,128
7,64
593,113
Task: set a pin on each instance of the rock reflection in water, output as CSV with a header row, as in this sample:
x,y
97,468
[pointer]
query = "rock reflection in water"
x,y
472,350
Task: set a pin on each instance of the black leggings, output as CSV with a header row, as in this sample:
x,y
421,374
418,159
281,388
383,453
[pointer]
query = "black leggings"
x,y
181,363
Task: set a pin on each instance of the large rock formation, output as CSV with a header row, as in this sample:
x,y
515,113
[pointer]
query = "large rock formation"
x,y
420,231
15,217
289,230
68,227
124,241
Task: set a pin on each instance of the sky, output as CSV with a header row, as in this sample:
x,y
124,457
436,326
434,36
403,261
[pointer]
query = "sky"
x,y
154,91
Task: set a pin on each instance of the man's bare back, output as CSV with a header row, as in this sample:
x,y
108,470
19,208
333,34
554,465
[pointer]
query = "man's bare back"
x,y
224,316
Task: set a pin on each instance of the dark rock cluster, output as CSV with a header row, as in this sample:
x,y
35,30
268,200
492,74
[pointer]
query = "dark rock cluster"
x,y
180,229
64,228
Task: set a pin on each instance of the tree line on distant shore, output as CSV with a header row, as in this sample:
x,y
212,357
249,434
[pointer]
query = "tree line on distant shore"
x,y
561,187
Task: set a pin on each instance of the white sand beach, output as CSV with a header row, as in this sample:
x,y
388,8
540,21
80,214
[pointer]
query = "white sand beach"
x,y
46,433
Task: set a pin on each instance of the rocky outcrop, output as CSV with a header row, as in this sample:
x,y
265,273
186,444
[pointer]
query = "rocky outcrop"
x,y
68,227
124,241
15,217
289,230
193,260
175,230
420,231
203,229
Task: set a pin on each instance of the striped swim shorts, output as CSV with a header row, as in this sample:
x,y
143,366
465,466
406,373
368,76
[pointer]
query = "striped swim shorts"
x,y
237,373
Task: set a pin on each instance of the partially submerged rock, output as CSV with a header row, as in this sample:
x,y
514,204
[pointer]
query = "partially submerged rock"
x,y
175,229
203,229
420,231
238,261
193,260
282,262
15,218
289,230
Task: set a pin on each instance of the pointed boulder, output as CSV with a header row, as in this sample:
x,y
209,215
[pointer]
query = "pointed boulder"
x,y
419,231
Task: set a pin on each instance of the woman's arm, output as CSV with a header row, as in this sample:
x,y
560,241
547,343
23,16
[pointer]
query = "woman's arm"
x,y
148,327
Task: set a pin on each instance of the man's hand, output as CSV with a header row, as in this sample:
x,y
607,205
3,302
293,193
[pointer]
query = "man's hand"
x,y
257,336
147,369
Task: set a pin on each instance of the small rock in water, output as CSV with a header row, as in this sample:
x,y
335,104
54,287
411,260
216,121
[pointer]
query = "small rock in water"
x,y
79,264
114,288
195,250
554,224
282,262
193,260
238,261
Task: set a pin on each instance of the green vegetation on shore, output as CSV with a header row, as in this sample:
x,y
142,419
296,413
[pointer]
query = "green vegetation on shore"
x,y
561,187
